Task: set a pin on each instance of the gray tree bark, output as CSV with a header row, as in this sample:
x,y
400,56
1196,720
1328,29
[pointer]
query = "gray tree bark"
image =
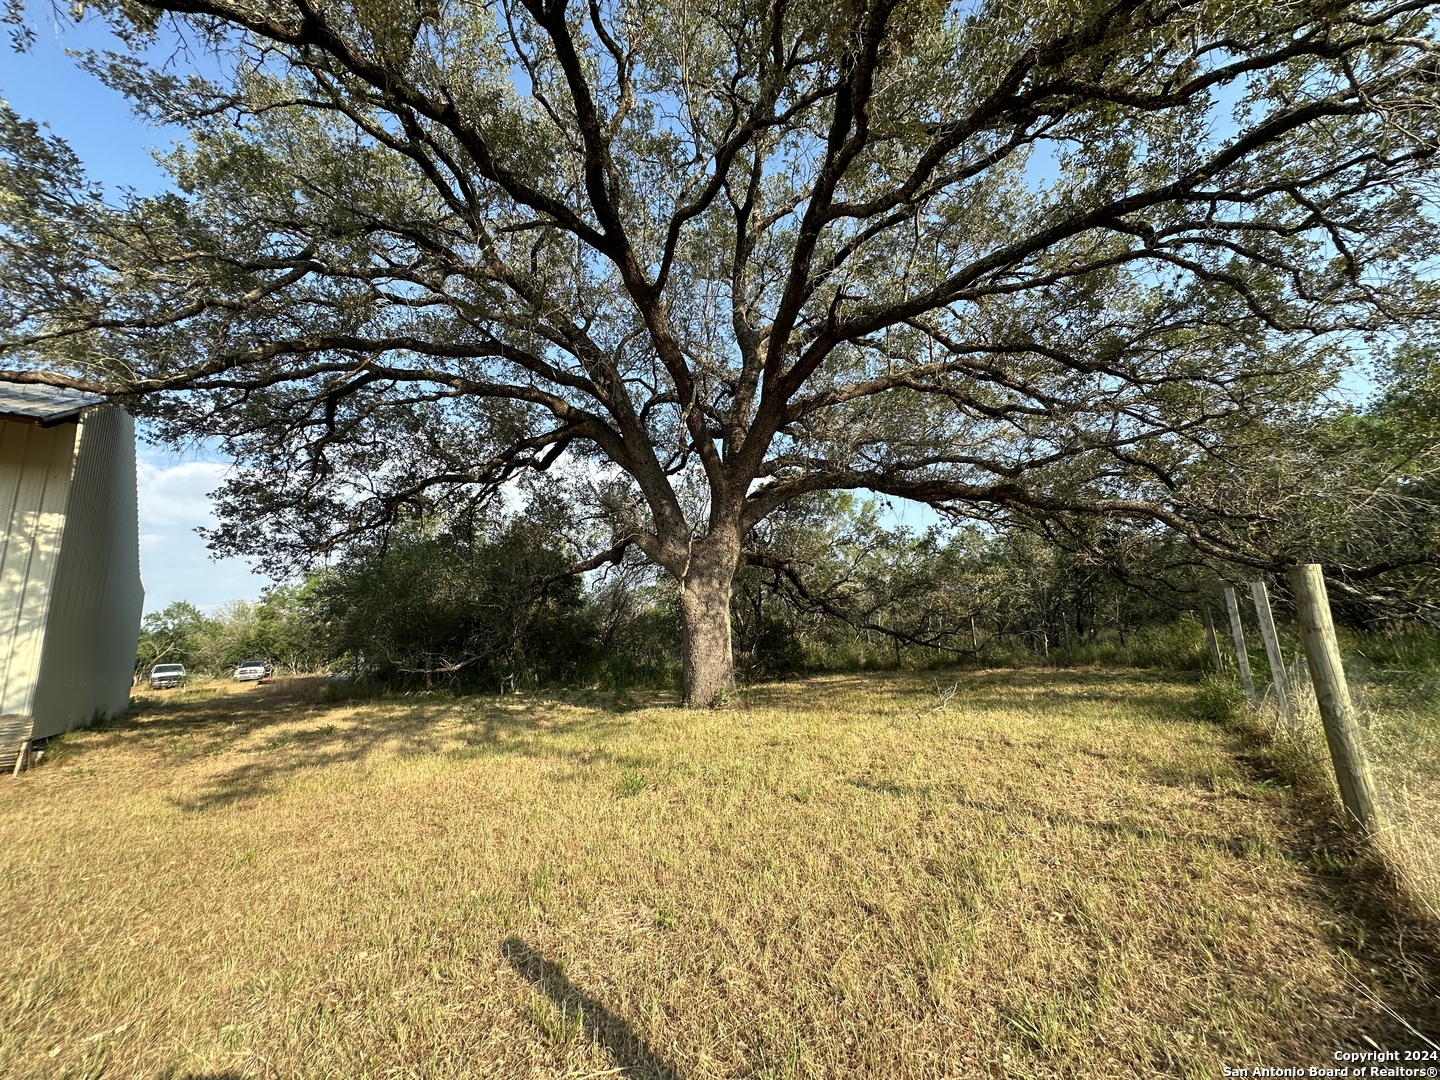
x,y
705,589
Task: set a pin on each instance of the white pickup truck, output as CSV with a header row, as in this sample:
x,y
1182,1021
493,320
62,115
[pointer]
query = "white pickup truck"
x,y
254,670
167,676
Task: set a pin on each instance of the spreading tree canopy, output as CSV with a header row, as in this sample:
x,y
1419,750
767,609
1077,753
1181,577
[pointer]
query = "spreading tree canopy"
x,y
1024,259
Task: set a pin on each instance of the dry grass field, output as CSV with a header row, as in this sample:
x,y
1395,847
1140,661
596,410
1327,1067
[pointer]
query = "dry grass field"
x,y
1060,874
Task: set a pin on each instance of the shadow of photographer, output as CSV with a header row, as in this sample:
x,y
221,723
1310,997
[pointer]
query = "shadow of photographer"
x,y
631,1053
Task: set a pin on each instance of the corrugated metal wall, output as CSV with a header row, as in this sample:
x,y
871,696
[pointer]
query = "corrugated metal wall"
x,y
35,468
96,598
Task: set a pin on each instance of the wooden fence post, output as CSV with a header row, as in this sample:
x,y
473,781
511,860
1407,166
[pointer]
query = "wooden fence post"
x,y
1238,633
1332,694
1266,618
1212,640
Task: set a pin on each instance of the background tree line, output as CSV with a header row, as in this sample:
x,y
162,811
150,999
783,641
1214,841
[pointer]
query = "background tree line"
x,y
439,609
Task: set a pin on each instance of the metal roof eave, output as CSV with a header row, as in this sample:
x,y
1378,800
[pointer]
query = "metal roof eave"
x,y
42,404
69,417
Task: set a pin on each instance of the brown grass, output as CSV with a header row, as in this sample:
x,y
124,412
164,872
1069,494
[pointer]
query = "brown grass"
x,y
1061,874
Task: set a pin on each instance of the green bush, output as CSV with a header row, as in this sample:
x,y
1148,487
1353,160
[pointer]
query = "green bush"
x,y
1218,699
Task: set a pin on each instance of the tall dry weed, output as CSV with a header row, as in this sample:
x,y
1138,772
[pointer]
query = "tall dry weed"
x,y
1409,838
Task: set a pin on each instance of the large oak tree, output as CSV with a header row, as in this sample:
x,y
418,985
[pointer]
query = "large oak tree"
x,y
1029,257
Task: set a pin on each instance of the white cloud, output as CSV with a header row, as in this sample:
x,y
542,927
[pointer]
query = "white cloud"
x,y
174,561
177,494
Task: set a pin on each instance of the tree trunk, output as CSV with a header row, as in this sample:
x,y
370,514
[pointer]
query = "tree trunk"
x,y
705,610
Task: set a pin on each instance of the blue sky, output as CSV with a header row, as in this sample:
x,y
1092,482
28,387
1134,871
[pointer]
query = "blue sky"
x,y
45,85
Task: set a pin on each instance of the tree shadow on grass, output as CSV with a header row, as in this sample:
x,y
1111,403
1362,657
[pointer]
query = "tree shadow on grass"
x,y
403,733
632,1054
268,733
254,729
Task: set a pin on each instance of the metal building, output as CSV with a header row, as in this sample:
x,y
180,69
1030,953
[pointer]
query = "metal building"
x,y
70,591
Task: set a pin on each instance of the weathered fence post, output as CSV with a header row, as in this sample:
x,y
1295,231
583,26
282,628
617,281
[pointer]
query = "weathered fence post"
x,y
1332,694
1212,640
1266,618
1238,633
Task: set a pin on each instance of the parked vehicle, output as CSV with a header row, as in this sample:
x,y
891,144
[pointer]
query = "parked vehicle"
x,y
254,670
167,676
